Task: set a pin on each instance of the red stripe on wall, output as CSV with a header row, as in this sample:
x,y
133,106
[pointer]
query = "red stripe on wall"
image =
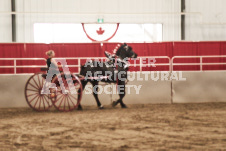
x,y
35,50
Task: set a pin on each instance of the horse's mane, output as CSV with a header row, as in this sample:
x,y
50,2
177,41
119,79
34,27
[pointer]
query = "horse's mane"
x,y
120,49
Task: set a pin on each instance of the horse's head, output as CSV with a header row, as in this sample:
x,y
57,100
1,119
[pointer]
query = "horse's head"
x,y
125,51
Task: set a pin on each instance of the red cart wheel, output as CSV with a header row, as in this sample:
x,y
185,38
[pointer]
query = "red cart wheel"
x,y
34,98
66,99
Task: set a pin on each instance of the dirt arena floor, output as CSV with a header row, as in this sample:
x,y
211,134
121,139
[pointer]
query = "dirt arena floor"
x,y
140,127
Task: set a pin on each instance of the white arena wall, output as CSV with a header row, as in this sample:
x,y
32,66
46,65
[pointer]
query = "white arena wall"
x,y
207,86
198,87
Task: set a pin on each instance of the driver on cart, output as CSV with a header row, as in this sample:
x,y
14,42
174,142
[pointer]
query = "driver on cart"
x,y
52,65
51,60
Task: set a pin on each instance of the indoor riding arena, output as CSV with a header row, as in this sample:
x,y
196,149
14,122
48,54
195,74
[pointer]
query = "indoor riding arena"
x,y
112,75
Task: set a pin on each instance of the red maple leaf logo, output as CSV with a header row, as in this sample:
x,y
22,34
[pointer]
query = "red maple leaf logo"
x,y
100,31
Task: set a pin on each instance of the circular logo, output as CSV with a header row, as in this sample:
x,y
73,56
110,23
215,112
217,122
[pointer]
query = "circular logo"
x,y
100,32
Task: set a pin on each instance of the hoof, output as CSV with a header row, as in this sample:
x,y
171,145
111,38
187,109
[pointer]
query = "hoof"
x,y
79,108
124,106
101,107
114,103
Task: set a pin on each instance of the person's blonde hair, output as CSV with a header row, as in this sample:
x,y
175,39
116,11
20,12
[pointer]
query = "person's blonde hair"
x,y
49,53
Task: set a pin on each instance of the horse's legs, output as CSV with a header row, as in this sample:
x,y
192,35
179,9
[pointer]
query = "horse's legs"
x,y
95,91
83,87
122,93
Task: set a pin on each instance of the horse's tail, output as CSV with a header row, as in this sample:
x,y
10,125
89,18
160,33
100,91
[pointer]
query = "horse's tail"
x,y
82,66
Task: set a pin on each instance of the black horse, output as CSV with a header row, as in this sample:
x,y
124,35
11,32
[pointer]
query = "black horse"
x,y
114,70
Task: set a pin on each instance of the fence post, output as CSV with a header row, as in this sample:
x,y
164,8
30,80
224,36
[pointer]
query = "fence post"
x,y
14,66
200,63
141,64
171,81
79,65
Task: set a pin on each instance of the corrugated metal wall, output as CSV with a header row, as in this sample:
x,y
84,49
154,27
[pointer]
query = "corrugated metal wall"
x,y
208,21
5,21
205,19
123,11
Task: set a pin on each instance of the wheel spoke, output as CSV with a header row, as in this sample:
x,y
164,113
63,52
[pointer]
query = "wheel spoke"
x,y
32,94
76,92
46,100
32,90
35,82
36,102
33,86
73,97
71,101
33,99
65,102
59,98
68,103
40,103
43,102
61,102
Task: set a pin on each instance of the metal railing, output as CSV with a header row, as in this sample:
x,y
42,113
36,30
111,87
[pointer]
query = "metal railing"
x,y
142,63
15,66
200,64
170,63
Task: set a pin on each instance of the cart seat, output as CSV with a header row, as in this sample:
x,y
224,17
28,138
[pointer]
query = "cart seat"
x,y
44,69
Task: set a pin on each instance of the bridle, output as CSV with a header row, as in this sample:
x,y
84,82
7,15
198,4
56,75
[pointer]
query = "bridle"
x,y
118,59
